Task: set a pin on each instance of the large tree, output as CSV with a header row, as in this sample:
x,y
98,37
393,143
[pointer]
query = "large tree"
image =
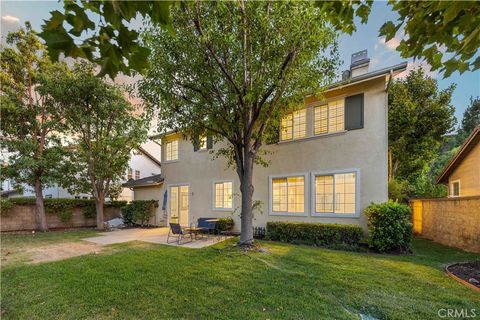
x,y
104,129
444,33
30,122
471,119
101,31
419,116
232,70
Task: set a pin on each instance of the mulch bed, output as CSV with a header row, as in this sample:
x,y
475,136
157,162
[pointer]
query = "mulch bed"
x,y
467,271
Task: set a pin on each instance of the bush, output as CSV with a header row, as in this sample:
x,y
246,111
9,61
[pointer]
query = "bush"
x,y
397,190
5,206
317,234
224,224
63,208
139,212
389,226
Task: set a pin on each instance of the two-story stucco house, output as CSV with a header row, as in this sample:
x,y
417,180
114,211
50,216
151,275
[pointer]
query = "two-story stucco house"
x,y
329,164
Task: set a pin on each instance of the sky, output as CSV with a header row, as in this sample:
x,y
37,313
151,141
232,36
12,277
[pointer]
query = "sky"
x,y
381,54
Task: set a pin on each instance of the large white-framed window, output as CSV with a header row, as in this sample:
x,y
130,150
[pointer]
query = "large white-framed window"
x,y
455,188
294,125
288,195
336,193
223,195
171,150
329,118
137,174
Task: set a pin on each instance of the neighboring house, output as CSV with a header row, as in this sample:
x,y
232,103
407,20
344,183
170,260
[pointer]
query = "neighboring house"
x,y
143,162
462,173
329,164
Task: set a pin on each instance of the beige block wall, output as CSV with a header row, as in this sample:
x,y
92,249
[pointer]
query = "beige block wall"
x,y
453,222
364,149
23,218
153,193
468,172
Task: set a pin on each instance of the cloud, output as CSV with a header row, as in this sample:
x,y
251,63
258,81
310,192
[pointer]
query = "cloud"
x,y
392,44
427,69
10,19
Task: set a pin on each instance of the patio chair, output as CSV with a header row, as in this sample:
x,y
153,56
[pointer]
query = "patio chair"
x,y
177,230
207,224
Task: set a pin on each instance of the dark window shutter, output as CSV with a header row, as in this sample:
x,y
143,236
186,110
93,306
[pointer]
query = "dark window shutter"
x,y
354,112
196,144
209,142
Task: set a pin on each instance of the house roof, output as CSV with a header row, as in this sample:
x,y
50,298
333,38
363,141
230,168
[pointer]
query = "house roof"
x,y
150,156
393,70
465,149
154,180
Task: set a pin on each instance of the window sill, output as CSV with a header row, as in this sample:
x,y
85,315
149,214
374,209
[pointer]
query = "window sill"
x,y
171,161
287,214
318,136
223,209
336,215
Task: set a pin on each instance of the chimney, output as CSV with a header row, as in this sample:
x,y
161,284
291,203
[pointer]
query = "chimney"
x,y
360,62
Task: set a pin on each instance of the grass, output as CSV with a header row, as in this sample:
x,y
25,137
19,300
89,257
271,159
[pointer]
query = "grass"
x,y
146,281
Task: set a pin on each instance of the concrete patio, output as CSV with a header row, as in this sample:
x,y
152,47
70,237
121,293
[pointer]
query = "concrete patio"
x,y
156,235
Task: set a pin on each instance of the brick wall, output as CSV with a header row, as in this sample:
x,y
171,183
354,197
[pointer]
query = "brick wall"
x,y
22,217
454,222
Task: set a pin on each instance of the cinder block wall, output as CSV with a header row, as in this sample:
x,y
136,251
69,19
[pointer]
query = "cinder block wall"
x,y
454,222
22,217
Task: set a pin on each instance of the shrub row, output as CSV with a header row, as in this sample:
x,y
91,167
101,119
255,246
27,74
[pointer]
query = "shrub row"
x,y
61,207
139,212
224,224
318,234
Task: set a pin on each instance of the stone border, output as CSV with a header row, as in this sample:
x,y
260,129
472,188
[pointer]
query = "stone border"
x,y
465,283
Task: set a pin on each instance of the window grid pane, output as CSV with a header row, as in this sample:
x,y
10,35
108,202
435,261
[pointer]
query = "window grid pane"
x,y
336,116
287,127
203,143
172,150
288,194
321,119
324,194
224,195
335,193
299,124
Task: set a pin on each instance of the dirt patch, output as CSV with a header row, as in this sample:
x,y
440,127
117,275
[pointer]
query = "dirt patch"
x,y
62,251
468,272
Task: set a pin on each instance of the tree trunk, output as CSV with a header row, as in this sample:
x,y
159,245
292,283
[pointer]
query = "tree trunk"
x,y
39,207
99,201
246,188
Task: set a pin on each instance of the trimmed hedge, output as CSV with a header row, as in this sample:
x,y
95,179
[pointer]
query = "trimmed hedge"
x,y
224,224
317,234
389,227
62,207
139,211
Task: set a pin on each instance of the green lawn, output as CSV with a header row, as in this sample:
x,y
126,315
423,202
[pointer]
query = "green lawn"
x,y
143,281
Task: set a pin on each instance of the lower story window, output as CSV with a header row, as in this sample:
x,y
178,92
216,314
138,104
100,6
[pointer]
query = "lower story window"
x,y
288,194
223,195
455,188
336,193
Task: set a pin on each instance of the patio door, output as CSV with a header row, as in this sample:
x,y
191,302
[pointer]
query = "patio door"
x,y
179,206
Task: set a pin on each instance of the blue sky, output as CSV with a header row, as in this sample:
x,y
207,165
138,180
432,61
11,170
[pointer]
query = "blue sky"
x,y
15,13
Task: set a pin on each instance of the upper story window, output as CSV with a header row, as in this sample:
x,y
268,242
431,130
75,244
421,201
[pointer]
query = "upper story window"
x,y
129,174
202,143
288,195
329,117
335,193
171,150
455,188
294,125
223,195
137,174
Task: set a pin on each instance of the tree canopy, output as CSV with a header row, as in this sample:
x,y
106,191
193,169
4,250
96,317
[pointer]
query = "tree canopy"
x,y
471,119
101,31
419,116
30,122
103,127
445,33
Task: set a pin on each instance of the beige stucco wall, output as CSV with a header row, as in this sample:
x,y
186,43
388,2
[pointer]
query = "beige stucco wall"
x,y
450,221
468,172
364,149
152,193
